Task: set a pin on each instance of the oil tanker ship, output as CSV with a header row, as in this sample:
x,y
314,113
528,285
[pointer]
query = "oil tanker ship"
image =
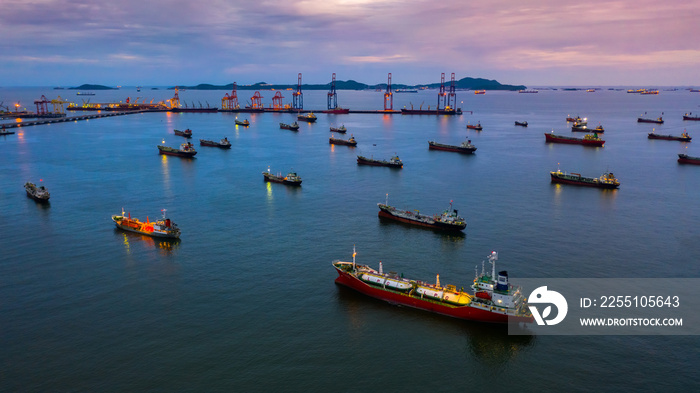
x,y
164,227
606,180
447,220
494,300
587,140
465,147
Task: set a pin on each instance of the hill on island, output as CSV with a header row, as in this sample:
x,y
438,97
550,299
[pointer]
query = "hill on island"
x,y
92,87
462,84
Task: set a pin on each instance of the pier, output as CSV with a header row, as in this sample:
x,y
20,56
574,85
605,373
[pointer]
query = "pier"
x,y
64,119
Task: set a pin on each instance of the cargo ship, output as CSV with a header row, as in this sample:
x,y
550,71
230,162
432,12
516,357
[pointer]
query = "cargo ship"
x,y
494,300
244,123
163,228
587,140
447,220
580,128
658,120
291,179
690,116
341,129
606,180
394,162
686,159
224,143
39,194
476,127
185,150
294,126
309,117
521,123
187,133
465,147
346,142
684,137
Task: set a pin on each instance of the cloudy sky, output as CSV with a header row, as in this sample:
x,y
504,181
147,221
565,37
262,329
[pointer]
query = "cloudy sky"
x,y
169,42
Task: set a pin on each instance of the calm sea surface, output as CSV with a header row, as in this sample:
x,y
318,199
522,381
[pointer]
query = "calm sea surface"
x,y
246,300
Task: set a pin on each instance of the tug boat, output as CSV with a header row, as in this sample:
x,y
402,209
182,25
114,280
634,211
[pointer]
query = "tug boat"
x,y
186,150
494,299
465,147
341,129
579,127
691,116
588,140
294,126
658,120
224,143
309,117
346,142
39,194
164,227
606,180
686,159
292,179
521,123
447,220
476,127
684,137
244,123
394,162
187,133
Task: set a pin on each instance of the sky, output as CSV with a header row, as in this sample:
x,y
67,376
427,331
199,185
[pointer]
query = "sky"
x,y
521,42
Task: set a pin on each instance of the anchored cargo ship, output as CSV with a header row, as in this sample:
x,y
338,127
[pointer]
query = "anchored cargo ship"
x,y
187,133
224,143
465,147
495,300
394,162
185,150
606,180
686,159
346,142
309,117
587,140
293,127
291,179
447,220
684,137
39,194
164,227
658,120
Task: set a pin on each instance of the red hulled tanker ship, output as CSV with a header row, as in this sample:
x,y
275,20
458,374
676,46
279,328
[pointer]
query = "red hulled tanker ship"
x,y
494,299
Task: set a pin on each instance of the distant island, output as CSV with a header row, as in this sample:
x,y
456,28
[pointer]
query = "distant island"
x,y
92,87
462,84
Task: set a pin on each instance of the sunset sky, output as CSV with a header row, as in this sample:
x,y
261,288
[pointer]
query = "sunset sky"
x,y
169,42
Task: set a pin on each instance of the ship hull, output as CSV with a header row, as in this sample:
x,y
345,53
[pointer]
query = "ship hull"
x,y
583,181
213,144
456,149
551,138
686,159
655,121
471,313
695,118
669,137
367,161
177,153
36,198
333,141
436,225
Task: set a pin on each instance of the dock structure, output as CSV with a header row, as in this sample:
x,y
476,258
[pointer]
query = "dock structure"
x,y
65,119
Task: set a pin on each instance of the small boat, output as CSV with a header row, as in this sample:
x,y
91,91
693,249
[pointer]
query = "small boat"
x,y
499,302
346,142
476,126
340,129
309,117
185,150
164,227
587,140
39,194
579,127
658,120
187,133
244,123
224,143
606,180
394,162
466,147
684,137
447,220
5,132
294,126
686,159
521,123
576,119
479,91
690,116
291,179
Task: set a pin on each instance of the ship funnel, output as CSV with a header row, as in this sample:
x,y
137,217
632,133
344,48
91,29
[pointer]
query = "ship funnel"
x,y
502,284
